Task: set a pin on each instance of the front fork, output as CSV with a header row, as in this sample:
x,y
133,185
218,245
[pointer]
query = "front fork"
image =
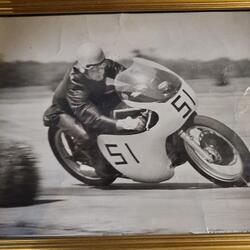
x,y
195,146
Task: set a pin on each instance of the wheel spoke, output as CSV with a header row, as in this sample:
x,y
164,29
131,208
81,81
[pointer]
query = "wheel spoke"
x,y
80,167
222,167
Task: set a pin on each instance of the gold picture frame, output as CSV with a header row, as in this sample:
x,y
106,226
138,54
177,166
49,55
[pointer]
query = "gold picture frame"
x,y
188,242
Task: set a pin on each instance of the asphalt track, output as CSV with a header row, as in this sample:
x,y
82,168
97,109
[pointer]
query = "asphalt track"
x,y
187,203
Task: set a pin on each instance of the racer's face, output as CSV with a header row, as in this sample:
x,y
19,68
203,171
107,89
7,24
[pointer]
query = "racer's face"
x,y
96,72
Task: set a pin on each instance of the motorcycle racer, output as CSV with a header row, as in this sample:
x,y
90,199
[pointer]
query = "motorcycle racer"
x,y
83,94
151,90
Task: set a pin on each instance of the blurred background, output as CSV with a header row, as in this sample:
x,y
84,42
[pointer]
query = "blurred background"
x,y
36,51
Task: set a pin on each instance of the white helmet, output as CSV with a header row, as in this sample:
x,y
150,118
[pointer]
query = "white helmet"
x,y
89,54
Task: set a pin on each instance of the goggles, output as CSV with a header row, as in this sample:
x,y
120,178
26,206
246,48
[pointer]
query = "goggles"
x,y
97,66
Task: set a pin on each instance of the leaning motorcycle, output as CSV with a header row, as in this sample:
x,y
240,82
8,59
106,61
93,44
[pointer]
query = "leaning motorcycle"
x,y
174,134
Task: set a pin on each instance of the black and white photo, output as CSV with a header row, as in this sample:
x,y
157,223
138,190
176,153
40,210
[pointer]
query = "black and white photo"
x,y
116,124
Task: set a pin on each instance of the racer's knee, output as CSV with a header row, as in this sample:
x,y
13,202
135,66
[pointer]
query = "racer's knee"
x,y
69,124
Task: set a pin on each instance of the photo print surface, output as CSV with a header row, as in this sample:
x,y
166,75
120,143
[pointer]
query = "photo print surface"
x,y
125,124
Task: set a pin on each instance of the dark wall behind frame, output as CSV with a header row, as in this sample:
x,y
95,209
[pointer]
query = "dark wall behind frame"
x,y
40,7
29,7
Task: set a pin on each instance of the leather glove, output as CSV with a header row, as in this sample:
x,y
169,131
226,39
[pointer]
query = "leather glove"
x,y
129,123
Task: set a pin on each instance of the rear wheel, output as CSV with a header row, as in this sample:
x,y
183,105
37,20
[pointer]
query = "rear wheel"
x,y
81,166
229,163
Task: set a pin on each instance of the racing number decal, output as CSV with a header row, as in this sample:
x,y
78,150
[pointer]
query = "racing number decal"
x,y
180,105
108,147
123,161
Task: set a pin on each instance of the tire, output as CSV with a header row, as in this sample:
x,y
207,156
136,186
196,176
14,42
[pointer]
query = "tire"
x,y
227,149
70,165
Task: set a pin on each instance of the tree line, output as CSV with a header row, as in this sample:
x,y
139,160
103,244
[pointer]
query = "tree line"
x,y
30,73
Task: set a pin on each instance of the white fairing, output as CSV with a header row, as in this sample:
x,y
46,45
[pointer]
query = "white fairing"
x,y
142,157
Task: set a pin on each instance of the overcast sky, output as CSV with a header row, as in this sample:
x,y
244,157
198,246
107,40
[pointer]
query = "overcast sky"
x,y
204,35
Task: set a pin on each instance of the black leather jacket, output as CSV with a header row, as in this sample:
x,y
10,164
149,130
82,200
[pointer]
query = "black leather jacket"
x,y
86,99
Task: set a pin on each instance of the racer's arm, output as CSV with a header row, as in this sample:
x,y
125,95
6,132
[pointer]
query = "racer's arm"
x,y
89,116
87,113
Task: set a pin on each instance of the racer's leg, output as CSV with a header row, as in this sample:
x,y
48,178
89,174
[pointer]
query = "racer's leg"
x,y
82,142
73,128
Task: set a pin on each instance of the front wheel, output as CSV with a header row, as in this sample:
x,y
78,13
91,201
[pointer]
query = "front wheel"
x,y
229,163
81,168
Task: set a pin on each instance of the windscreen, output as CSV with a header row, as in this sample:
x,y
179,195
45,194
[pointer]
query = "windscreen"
x,y
145,81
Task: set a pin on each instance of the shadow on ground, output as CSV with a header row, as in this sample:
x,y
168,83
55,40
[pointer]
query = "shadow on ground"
x,y
46,201
34,203
159,186
79,189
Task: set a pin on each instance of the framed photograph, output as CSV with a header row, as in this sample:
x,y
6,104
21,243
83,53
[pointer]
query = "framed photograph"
x,y
124,125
